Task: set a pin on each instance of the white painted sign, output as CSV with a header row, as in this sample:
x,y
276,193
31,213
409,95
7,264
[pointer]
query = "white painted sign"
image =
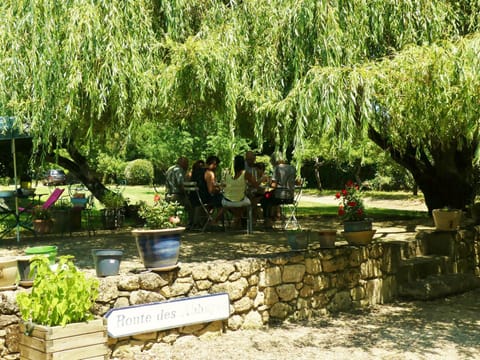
x,y
167,315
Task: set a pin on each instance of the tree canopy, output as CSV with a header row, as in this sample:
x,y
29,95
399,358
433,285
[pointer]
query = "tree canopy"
x,y
277,72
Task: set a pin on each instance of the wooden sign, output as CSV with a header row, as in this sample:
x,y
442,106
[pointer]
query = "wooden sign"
x,y
165,315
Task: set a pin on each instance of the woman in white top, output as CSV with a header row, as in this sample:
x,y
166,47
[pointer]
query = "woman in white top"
x,y
234,192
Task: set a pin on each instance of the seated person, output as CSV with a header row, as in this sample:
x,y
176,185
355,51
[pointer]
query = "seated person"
x,y
175,178
208,188
283,185
234,192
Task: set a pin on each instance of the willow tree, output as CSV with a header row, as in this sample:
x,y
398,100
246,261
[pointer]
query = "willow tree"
x,y
276,71
402,74
81,73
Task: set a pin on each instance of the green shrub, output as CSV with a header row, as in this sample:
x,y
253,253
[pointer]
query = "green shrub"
x,y
139,172
110,167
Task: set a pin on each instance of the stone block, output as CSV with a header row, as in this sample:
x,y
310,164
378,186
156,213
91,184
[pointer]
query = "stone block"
x,y
293,273
270,277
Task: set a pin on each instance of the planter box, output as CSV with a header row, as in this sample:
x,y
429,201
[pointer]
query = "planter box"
x,y
86,340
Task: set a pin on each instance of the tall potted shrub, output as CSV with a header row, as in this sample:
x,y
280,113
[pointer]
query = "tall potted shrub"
x,y
158,242
56,313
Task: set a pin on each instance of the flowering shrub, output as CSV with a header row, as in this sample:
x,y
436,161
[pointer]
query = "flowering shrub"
x,y
351,206
162,214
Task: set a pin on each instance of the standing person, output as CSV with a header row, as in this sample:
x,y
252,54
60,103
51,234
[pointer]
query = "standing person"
x,y
283,187
175,178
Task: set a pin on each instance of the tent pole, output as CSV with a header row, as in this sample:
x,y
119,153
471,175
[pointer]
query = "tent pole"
x,y
16,190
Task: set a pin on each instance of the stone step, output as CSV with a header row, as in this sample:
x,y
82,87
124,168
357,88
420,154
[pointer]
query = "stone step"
x,y
438,286
420,267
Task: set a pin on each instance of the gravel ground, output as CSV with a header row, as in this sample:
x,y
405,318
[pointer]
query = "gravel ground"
x,y
440,329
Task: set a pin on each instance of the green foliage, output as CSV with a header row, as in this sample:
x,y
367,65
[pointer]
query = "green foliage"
x,y
58,297
113,200
139,172
161,215
110,167
39,213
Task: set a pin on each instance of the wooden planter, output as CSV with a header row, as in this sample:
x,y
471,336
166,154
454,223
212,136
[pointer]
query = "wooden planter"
x,y
86,340
42,226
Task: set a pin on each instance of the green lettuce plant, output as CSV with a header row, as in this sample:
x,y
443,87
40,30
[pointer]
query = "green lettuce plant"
x,y
59,296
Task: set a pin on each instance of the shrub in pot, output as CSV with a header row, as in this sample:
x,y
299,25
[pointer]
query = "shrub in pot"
x,y
158,242
57,314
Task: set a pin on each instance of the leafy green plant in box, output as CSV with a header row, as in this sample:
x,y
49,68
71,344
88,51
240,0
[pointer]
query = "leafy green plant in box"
x,y
59,296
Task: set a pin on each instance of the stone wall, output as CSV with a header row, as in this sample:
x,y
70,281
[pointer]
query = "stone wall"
x,y
270,288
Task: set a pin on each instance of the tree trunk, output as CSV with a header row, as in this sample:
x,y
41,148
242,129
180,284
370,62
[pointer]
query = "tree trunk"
x,y
446,177
316,167
83,172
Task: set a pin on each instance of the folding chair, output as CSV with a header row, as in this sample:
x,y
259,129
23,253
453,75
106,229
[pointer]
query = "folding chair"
x,y
289,210
52,199
205,217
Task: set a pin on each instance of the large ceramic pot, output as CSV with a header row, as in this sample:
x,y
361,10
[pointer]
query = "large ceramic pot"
x,y
8,272
23,263
47,250
159,248
359,225
447,220
359,238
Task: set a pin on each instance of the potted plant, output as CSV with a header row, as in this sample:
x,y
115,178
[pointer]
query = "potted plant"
x,y
56,314
112,214
352,212
42,220
158,242
447,219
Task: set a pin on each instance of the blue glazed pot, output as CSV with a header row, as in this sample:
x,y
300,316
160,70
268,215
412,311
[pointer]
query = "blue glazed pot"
x,y
360,225
107,261
159,248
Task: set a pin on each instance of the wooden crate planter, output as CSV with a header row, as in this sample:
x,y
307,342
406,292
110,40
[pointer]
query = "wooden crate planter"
x,y
86,340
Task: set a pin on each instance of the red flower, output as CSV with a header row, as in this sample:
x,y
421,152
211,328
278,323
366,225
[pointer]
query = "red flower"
x,y
352,203
337,195
344,192
156,198
359,212
349,183
341,210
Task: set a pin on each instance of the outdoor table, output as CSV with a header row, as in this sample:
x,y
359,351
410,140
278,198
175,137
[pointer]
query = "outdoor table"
x,y
9,212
